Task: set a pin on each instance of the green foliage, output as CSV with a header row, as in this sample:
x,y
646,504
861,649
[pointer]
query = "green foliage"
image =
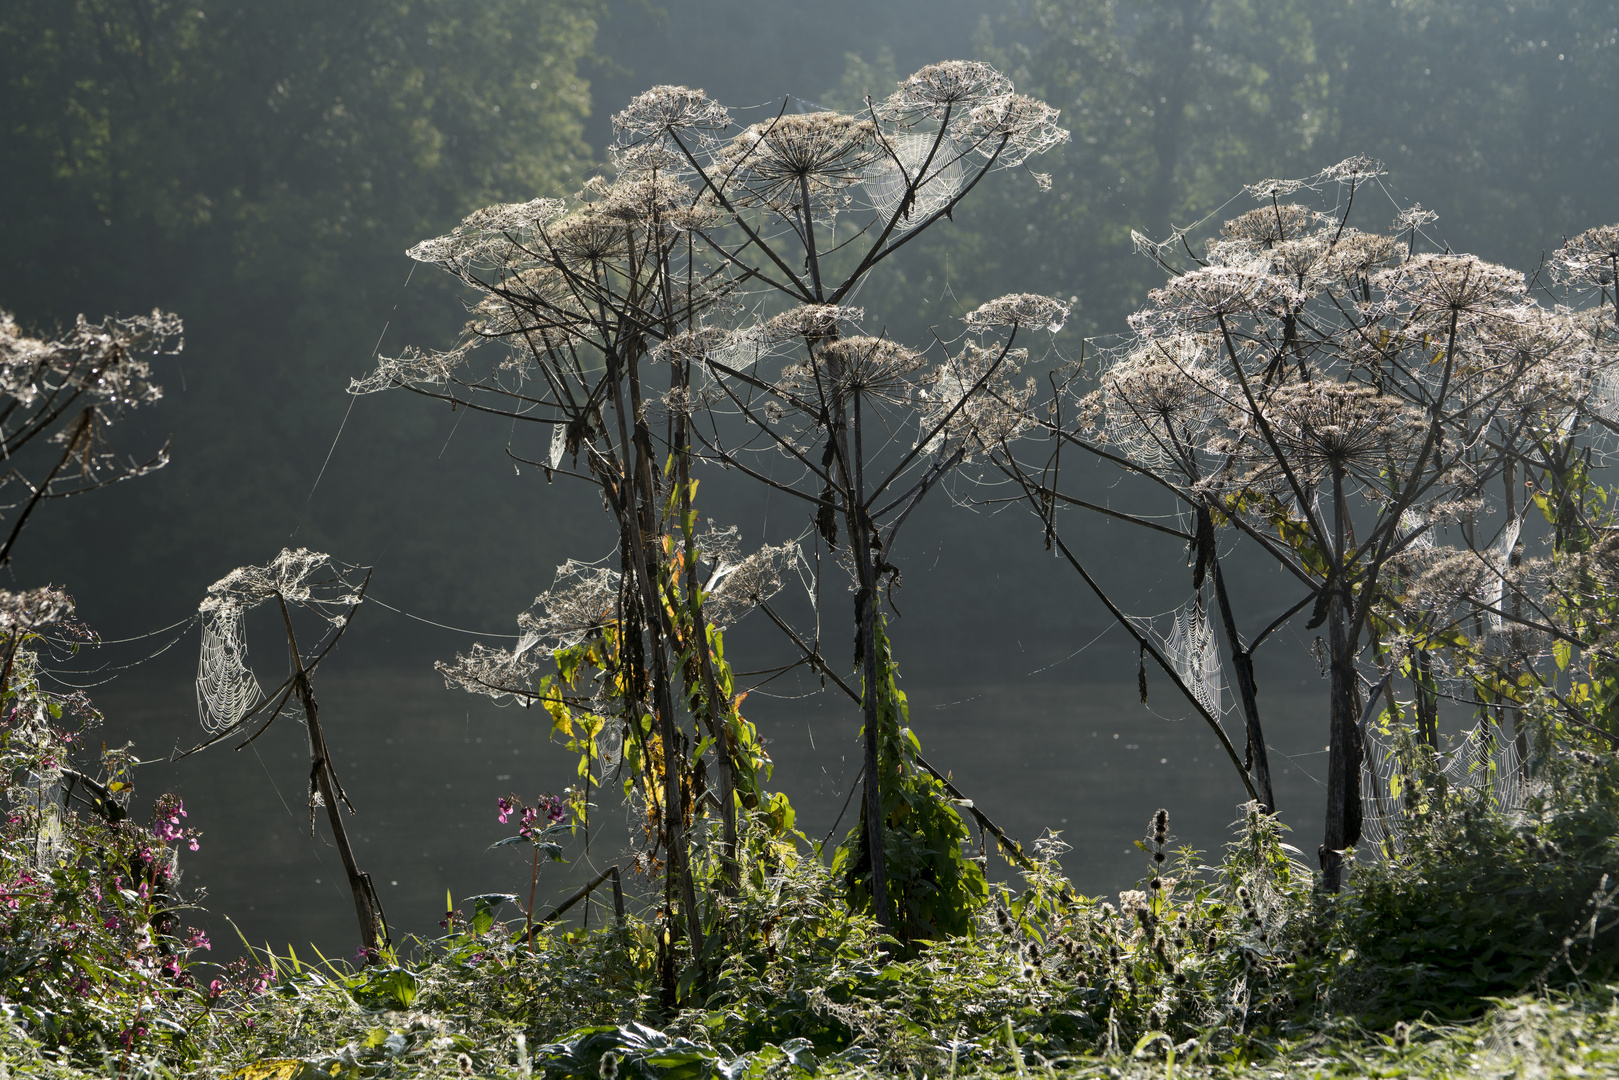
x,y
94,958
1481,904
934,887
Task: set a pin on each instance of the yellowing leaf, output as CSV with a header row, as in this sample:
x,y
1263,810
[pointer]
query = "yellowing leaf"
x,y
274,1069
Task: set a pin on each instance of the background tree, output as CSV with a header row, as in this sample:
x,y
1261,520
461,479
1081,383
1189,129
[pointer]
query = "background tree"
x,y
261,168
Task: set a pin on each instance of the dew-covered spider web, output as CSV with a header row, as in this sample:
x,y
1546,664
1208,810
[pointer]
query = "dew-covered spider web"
x,y
1193,651
888,179
1484,760
227,689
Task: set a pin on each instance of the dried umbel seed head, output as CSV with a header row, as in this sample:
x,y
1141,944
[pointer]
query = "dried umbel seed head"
x,y
1204,297
811,321
1356,254
1354,170
32,609
586,238
1414,217
582,599
750,582
1018,310
773,164
973,396
290,576
1271,188
491,237
1268,226
954,87
876,367
647,200
1012,129
1591,258
1158,403
1323,426
1450,284
698,343
1304,259
666,108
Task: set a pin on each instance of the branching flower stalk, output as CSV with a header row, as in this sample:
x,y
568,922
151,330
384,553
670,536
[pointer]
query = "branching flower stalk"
x,y
312,581
777,190
69,391
1338,398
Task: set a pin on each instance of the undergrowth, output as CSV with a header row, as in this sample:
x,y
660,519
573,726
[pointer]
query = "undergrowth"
x,y
1486,944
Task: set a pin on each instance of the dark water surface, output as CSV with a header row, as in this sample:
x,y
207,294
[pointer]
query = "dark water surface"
x,y
424,766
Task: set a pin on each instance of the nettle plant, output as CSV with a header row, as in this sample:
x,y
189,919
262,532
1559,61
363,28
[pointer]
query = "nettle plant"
x,y
696,308
1360,410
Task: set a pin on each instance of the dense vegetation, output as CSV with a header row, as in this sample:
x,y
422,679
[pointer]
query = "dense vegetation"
x,y
728,303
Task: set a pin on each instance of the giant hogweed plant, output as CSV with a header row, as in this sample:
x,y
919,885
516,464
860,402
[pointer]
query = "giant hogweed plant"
x,y
1339,398
670,270
95,959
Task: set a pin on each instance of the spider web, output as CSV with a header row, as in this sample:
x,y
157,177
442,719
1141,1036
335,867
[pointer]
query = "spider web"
x,y
886,180
226,686
1191,647
1481,761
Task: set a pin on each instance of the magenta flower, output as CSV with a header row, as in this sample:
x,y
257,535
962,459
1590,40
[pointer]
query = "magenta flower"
x,y
507,808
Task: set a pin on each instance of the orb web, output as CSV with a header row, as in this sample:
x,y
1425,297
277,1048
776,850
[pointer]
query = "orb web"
x,y
1482,760
1196,655
226,686
888,178
1604,399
